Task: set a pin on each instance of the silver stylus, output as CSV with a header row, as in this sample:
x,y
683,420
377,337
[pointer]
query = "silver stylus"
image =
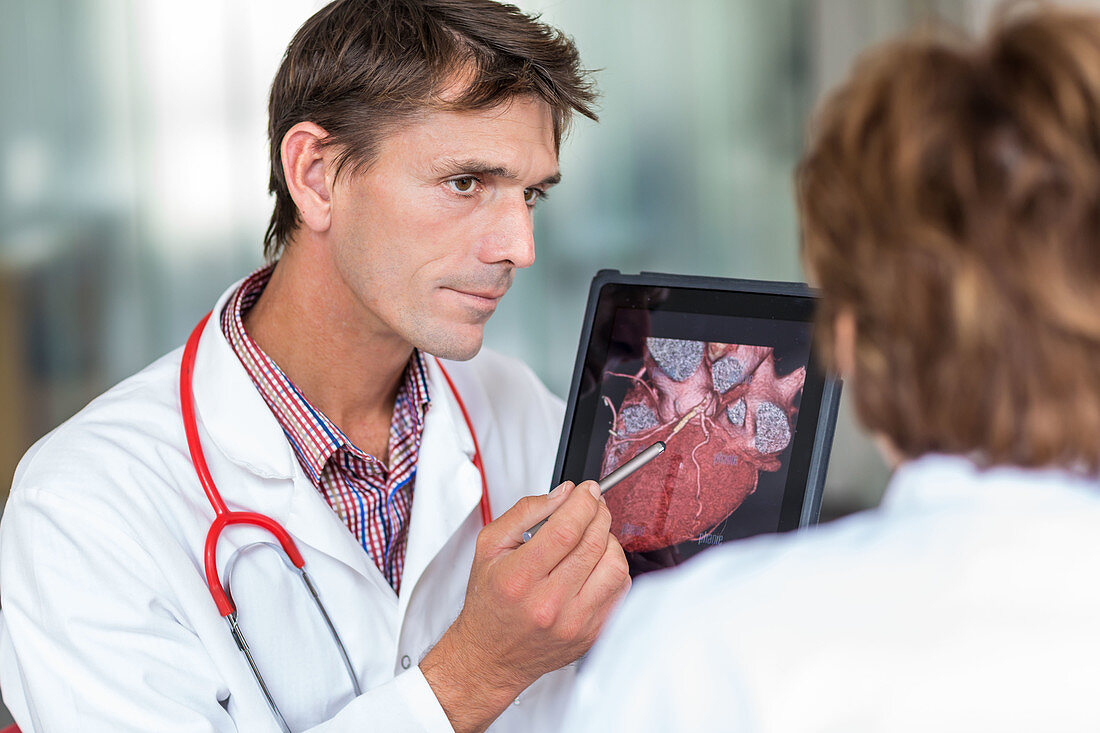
x,y
609,481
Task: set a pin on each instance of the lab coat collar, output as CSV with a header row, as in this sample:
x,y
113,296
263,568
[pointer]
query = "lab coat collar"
x,y
939,482
231,409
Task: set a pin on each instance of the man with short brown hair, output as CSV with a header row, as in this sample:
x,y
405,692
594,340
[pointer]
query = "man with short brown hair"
x,y
337,394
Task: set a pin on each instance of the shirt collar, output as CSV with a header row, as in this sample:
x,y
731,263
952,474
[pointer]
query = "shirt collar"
x,y
313,436
416,383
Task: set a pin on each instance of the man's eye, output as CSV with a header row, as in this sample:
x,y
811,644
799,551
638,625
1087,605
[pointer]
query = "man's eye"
x,y
465,184
532,195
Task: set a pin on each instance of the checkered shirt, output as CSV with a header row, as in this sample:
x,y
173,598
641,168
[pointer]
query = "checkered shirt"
x,y
372,499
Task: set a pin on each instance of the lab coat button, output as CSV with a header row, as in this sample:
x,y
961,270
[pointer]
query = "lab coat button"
x,y
406,662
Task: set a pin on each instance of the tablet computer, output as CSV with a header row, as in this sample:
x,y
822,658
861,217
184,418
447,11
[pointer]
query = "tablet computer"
x,y
723,371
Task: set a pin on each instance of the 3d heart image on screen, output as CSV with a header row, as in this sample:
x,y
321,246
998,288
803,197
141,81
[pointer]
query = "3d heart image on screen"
x,y
725,416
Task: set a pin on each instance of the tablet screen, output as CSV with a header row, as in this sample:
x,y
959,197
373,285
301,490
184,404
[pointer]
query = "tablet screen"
x,y
728,382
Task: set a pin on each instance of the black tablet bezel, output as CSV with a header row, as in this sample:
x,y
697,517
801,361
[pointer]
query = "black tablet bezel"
x,y
611,290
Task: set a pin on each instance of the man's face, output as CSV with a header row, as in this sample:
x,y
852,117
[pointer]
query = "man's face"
x,y
428,239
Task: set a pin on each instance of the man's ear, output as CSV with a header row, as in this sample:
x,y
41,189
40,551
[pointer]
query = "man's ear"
x,y
306,168
844,344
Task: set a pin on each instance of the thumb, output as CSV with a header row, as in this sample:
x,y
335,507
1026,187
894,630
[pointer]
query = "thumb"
x,y
508,528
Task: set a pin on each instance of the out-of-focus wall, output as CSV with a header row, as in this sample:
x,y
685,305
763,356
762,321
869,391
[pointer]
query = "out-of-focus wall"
x,y
133,174
132,186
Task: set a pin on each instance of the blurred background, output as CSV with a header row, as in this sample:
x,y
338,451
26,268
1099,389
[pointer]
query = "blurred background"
x,y
133,175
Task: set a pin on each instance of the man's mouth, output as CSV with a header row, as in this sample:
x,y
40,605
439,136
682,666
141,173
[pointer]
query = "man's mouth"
x,y
479,299
484,294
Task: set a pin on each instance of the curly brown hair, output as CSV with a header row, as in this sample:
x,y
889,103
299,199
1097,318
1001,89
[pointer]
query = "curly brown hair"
x,y
950,201
358,68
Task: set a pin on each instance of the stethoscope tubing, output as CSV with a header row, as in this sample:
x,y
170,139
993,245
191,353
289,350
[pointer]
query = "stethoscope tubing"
x,y
224,518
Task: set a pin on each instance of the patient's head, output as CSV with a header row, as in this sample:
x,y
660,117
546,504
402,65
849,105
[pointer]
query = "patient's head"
x,y
950,201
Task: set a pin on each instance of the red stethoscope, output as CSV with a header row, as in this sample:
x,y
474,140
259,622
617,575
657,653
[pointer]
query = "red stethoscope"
x,y
290,555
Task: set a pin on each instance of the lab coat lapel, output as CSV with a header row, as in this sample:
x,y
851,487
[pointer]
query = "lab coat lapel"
x,y
313,522
448,485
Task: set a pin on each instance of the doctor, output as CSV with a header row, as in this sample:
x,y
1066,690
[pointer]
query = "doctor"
x,y
337,393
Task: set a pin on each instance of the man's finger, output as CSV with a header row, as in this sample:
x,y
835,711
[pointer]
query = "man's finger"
x,y
506,531
605,586
573,569
563,531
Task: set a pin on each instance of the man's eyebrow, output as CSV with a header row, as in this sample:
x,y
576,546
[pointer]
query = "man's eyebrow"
x,y
451,166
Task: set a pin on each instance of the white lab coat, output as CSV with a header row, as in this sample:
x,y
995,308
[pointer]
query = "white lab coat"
x,y
968,602
107,623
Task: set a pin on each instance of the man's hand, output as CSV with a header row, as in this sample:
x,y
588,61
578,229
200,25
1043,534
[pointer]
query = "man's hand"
x,y
530,608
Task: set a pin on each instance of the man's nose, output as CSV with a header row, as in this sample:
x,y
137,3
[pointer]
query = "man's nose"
x,y
513,238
